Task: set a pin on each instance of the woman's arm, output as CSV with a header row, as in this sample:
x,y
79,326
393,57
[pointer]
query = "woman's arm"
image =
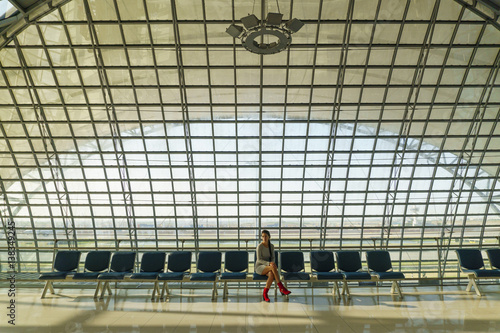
x,y
271,250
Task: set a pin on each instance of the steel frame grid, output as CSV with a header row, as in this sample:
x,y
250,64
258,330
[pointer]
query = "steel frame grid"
x,y
472,132
114,129
53,159
443,254
146,12
419,149
186,124
404,131
365,70
261,121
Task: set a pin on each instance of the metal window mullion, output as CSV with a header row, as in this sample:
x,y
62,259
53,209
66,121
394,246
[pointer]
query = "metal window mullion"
x,y
164,124
114,128
124,174
130,208
477,171
53,161
489,199
418,150
450,204
333,21
51,65
236,130
303,105
384,103
273,66
23,186
19,173
283,133
337,100
360,127
100,152
488,203
186,123
309,110
210,96
68,203
404,131
261,116
265,86
221,46
365,70
475,126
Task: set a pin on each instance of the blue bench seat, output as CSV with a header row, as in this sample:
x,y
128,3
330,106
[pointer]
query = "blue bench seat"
x,y
380,266
203,276
172,276
329,276
65,263
233,276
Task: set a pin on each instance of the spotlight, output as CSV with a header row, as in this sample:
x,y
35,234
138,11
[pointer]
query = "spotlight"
x,y
254,32
250,21
274,19
235,30
294,25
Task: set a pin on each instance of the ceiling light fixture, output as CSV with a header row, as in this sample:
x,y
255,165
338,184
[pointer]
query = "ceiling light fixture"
x,y
255,34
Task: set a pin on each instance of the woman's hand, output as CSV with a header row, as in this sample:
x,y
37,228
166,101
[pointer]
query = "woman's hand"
x,y
273,265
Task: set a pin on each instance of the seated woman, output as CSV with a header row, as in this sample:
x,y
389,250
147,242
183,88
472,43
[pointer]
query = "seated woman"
x,y
265,265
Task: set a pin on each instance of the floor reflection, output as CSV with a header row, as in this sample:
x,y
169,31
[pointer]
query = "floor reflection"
x,y
423,309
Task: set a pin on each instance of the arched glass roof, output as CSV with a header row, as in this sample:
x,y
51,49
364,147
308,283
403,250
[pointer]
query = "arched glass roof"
x,y
145,122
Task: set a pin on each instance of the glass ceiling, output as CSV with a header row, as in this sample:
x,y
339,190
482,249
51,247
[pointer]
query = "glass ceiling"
x,y
143,121
6,9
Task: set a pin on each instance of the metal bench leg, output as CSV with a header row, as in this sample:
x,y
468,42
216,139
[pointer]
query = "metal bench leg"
x,y
104,288
158,288
470,284
163,290
336,289
109,289
51,288
97,289
398,287
214,290
47,284
154,291
225,291
478,291
346,290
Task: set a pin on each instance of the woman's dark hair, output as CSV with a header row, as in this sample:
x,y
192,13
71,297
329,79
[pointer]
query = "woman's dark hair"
x,y
269,242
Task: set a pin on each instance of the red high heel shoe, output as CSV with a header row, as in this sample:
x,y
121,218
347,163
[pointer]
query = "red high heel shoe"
x,y
283,290
265,296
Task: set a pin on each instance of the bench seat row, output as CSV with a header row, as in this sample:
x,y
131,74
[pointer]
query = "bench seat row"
x,y
97,268
472,264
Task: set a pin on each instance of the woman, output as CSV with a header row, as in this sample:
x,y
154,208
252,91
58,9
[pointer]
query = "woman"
x,y
265,265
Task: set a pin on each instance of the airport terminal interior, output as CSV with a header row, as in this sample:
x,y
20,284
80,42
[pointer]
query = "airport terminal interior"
x,y
343,127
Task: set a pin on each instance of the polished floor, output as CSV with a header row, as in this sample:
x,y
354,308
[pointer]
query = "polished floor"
x,y
423,309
